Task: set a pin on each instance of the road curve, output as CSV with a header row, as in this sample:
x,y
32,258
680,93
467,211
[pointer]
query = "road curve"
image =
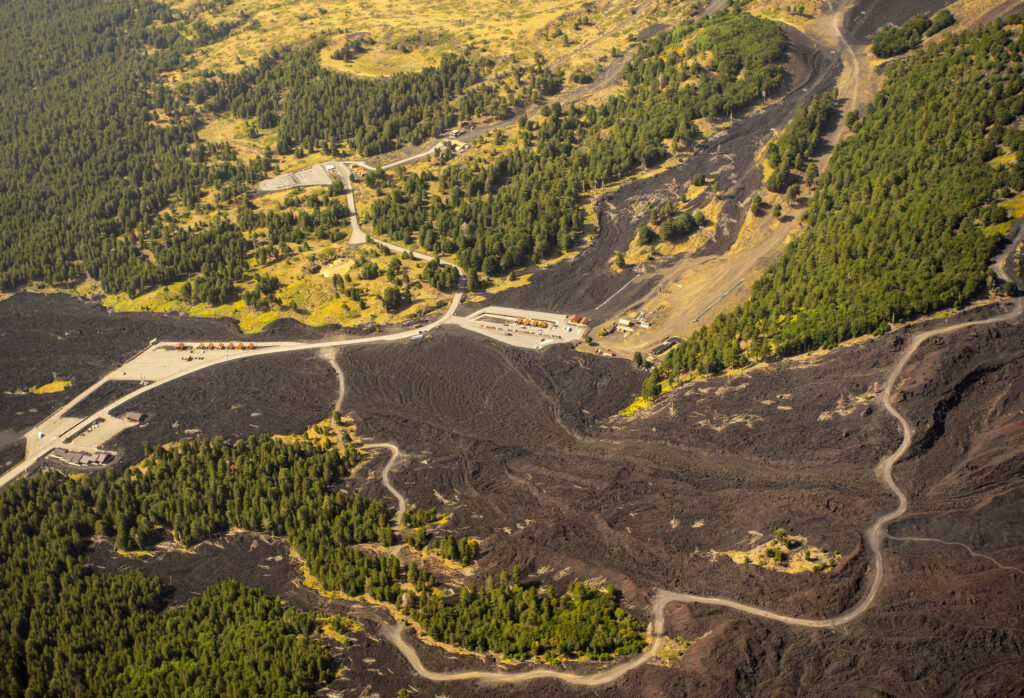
x,y
875,537
55,441
394,634
331,357
385,478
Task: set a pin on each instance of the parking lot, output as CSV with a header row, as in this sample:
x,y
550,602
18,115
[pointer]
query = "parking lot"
x,y
523,328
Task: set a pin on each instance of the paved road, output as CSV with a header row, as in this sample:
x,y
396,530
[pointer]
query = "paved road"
x,y
54,439
358,236
317,175
875,535
58,426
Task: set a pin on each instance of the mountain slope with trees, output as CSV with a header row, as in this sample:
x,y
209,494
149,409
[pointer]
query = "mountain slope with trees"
x,y
102,166
68,630
901,223
523,206
85,166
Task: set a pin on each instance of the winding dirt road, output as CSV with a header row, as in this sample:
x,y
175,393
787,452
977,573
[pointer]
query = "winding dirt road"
x,y
875,537
331,357
394,634
385,478
876,534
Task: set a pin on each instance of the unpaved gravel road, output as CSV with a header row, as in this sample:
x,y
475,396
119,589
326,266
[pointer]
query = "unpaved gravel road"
x,y
875,537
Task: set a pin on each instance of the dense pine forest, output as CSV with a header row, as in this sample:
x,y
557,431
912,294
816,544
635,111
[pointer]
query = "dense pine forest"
x,y
86,167
69,630
893,41
523,206
97,146
93,171
902,222
320,109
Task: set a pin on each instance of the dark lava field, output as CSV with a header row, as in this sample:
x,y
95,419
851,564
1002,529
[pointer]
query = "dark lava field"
x,y
530,452
527,451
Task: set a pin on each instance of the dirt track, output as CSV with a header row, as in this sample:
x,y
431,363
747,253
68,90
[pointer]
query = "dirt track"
x,y
596,496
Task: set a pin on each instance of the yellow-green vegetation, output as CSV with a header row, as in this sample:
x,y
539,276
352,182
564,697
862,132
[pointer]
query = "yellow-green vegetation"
x,y
967,12
235,132
786,553
671,648
396,36
322,434
513,280
1015,205
641,403
336,627
1006,157
794,12
308,290
56,386
664,236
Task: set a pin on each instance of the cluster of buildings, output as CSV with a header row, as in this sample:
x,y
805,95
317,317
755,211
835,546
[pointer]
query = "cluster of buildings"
x,y
181,346
457,131
630,324
81,457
